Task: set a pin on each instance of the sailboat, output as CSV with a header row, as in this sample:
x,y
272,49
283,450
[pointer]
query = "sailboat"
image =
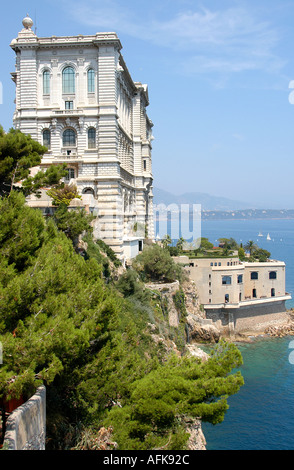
x,y
260,234
268,237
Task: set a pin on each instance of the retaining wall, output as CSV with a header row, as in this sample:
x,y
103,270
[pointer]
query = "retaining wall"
x,y
248,319
26,426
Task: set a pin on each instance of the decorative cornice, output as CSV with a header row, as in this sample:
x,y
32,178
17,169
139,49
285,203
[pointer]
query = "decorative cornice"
x,y
27,38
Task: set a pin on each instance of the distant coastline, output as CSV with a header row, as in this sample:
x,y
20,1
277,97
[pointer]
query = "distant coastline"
x,y
242,214
248,214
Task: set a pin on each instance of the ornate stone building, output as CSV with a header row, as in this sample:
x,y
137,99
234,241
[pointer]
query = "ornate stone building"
x,y
75,95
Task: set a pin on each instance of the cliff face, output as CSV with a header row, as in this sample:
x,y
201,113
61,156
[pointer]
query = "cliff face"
x,y
166,293
180,303
181,307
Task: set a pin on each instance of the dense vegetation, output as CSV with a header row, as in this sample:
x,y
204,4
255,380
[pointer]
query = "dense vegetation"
x,y
202,247
70,321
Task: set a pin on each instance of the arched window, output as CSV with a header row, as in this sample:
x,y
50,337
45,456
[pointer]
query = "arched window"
x,y
272,275
46,82
69,138
91,138
88,191
68,80
47,138
91,81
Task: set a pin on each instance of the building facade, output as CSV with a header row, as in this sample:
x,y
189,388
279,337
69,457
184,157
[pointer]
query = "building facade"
x,y
240,294
75,95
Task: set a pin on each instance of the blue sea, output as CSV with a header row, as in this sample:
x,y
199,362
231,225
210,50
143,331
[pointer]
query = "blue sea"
x,y
261,414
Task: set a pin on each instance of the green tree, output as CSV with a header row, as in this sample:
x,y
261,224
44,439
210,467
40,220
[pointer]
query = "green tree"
x,y
21,231
50,308
156,264
181,387
205,244
241,254
180,244
73,223
251,247
166,241
64,194
229,243
261,255
18,154
173,251
130,285
63,325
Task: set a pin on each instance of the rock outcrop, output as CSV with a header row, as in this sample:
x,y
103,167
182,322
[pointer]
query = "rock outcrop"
x,y
201,330
194,351
280,331
191,299
167,292
196,440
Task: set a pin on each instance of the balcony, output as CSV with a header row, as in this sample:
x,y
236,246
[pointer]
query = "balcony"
x,y
68,155
68,112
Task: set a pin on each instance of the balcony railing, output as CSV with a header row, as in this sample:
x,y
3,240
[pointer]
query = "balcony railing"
x,y
62,112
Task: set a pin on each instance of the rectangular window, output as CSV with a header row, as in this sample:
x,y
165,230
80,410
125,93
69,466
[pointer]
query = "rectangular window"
x,y
91,138
69,105
91,81
254,275
46,82
70,174
226,280
47,138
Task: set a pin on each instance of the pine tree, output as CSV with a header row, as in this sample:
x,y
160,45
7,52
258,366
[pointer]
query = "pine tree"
x,y
18,154
89,342
180,387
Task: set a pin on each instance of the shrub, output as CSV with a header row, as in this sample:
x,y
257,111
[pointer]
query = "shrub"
x,y
156,264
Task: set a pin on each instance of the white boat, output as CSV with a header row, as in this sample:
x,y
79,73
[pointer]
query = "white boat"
x,y
268,237
260,234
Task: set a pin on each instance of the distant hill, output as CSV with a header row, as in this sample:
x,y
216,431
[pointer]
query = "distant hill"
x,y
213,207
208,202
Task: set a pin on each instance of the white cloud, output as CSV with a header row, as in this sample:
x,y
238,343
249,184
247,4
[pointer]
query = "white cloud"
x,y
224,40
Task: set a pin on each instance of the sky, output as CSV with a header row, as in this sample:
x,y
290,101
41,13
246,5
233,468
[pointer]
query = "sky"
x,y
220,74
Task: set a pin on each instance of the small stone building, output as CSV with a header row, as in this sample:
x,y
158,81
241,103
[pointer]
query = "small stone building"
x,y
236,294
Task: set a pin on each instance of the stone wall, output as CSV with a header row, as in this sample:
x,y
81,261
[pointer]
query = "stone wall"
x,y
252,319
26,426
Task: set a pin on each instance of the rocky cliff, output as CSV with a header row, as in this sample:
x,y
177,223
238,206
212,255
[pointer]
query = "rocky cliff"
x,y
180,305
